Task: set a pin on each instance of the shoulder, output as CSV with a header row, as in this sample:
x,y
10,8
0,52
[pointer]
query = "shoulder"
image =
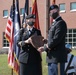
x,y
36,29
61,24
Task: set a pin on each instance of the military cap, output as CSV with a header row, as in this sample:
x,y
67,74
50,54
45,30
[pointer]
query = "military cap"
x,y
53,7
31,16
68,48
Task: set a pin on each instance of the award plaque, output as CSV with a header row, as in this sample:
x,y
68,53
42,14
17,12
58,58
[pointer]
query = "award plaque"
x,y
37,41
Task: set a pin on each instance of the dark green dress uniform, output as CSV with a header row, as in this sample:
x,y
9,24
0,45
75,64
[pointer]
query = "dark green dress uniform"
x,y
29,57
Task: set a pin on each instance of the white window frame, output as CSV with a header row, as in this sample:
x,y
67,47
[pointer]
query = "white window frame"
x,y
72,37
6,15
72,10
62,11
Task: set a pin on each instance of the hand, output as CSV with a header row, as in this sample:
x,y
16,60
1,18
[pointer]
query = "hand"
x,y
40,49
20,43
45,41
28,40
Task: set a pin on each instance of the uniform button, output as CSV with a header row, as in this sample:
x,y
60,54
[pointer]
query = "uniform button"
x,y
28,49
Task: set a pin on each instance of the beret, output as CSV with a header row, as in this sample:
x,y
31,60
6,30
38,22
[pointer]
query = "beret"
x,y
31,16
53,7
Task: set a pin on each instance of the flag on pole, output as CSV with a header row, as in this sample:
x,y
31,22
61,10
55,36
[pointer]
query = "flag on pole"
x,y
11,33
35,11
9,23
25,11
17,26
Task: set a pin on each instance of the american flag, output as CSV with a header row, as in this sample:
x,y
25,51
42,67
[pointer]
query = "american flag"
x,y
9,24
15,26
9,35
25,11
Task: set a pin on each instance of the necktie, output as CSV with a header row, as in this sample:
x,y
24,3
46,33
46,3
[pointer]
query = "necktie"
x,y
29,32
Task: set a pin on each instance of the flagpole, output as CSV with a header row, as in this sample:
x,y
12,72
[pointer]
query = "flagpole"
x,y
47,17
11,71
12,68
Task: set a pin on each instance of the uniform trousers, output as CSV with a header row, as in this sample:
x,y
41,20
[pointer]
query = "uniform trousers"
x,y
62,68
53,68
30,69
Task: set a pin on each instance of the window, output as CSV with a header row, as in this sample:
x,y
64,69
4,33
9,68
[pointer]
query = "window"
x,y
62,7
21,11
5,13
73,6
30,10
71,37
5,42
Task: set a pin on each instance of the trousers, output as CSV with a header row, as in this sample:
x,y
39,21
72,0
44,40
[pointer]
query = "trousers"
x,y
53,68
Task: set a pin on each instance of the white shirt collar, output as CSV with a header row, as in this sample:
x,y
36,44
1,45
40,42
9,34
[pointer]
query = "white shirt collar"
x,y
29,29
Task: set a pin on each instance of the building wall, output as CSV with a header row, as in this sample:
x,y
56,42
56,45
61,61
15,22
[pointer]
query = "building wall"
x,y
68,16
5,5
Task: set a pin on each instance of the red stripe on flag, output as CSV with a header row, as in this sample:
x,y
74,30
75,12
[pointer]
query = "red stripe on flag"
x,y
8,29
9,22
7,36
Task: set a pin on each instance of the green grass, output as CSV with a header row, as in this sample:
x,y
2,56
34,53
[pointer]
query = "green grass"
x,y
5,70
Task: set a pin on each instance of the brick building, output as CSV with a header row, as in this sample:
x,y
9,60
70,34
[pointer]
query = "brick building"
x,y
67,11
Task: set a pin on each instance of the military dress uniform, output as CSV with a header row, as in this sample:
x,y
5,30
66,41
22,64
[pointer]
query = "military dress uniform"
x,y
56,42
29,57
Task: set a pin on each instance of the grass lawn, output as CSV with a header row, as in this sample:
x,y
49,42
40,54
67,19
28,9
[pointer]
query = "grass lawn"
x,y
5,70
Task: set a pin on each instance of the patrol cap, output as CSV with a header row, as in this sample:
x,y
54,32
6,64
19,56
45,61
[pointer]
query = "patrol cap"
x,y
31,16
53,7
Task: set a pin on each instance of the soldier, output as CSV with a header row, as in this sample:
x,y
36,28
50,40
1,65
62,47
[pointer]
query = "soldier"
x,y
70,65
29,57
55,46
